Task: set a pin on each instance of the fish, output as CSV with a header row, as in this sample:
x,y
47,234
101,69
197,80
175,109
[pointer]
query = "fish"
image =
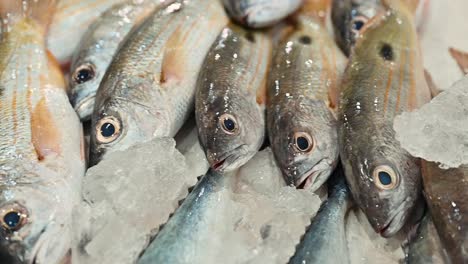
x,y
180,239
302,95
230,97
383,79
149,88
350,16
41,141
70,21
445,191
461,57
97,48
426,247
325,239
260,13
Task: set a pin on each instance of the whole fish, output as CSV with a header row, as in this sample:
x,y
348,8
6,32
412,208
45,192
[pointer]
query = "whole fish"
x,y
184,237
97,48
230,98
350,16
260,13
445,192
70,21
325,239
41,141
426,247
383,79
149,88
307,67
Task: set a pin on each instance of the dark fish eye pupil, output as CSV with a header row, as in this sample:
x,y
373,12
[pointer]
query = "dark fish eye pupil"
x,y
386,52
107,130
84,75
306,40
358,24
302,143
229,124
385,178
12,219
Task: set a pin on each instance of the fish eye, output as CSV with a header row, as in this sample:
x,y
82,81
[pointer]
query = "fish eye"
x,y
14,218
306,40
358,23
386,52
303,142
107,129
228,124
84,73
385,178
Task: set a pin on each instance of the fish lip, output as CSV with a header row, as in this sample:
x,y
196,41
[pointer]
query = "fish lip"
x,y
221,165
388,230
85,106
309,178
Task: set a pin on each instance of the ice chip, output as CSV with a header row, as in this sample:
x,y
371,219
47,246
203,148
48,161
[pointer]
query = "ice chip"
x,y
438,130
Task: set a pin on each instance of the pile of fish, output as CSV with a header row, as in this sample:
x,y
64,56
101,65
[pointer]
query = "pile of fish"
x,y
248,131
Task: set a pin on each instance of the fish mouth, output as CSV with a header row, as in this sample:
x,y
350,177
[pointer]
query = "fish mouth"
x,y
85,107
315,177
232,159
395,222
306,181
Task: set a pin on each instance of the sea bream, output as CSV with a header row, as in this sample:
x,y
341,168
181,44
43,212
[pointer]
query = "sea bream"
x,y
70,20
230,98
384,78
302,94
260,13
41,142
97,48
148,90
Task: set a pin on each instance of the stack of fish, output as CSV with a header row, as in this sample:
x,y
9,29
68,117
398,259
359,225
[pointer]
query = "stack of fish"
x,y
256,73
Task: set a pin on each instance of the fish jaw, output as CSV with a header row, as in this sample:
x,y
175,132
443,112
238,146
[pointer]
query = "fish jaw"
x,y
85,107
231,160
314,178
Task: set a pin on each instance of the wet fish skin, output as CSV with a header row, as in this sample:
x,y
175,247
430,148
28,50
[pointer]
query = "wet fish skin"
x,y
325,239
41,141
260,13
349,16
426,247
383,79
231,88
307,67
70,21
97,48
445,192
149,88
179,238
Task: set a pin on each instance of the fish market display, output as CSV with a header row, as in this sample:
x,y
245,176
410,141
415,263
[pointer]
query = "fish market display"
x,y
260,13
437,131
445,192
70,21
325,239
41,141
148,90
384,78
302,88
426,247
97,48
230,98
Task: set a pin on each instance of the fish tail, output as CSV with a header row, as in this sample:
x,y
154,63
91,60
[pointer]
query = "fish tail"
x,y
318,9
41,11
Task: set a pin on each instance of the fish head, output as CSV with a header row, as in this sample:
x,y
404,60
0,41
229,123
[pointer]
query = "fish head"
x,y
231,131
349,17
122,119
385,182
34,218
304,141
86,72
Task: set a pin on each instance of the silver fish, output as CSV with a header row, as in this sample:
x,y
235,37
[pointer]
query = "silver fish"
x,y
230,99
149,88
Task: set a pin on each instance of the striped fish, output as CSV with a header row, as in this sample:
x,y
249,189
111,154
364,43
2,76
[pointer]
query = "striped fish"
x,y
41,141
384,78
302,94
149,88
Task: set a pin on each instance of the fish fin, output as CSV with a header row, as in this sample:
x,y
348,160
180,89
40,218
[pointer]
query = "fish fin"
x,y
430,82
45,136
318,9
461,58
39,11
55,74
172,61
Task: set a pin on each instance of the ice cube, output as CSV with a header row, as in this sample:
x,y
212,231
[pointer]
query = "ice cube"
x,y
438,130
128,196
